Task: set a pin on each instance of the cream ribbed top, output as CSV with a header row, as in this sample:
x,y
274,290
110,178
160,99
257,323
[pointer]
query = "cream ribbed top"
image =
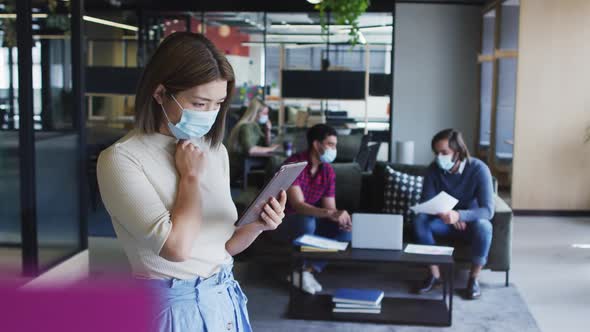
x,y
138,182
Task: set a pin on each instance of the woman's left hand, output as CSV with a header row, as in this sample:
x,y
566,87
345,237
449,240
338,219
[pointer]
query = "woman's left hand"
x,y
273,213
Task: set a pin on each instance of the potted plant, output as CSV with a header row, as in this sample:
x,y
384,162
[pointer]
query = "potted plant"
x,y
344,12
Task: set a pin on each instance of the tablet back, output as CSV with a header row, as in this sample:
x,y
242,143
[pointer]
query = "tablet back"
x,y
282,180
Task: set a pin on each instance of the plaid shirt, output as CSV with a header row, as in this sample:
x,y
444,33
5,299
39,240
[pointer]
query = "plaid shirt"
x,y
314,188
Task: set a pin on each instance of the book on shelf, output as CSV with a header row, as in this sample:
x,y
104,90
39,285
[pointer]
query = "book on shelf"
x,y
356,306
358,296
356,311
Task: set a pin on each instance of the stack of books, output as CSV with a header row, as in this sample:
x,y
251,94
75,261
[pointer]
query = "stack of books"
x,y
314,243
360,301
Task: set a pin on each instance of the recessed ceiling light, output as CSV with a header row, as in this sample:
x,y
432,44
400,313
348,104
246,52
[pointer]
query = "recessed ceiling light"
x,y
314,2
109,23
13,16
309,26
581,245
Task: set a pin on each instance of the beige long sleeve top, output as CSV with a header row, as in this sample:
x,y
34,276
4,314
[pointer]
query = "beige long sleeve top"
x,y
138,183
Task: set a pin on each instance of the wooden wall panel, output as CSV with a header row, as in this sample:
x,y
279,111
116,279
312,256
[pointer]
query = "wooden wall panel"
x,y
551,162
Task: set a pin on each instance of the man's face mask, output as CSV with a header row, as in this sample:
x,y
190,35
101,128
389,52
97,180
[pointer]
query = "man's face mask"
x,y
192,124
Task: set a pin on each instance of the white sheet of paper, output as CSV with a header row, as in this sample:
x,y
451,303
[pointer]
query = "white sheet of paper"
x,y
319,242
428,250
440,203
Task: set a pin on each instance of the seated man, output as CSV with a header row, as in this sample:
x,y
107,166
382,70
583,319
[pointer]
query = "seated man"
x,y
470,181
311,200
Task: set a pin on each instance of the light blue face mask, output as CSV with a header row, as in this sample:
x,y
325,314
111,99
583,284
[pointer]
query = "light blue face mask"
x,y
192,124
263,119
445,162
328,156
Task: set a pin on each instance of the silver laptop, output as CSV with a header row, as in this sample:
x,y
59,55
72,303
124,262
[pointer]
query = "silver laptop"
x,y
377,231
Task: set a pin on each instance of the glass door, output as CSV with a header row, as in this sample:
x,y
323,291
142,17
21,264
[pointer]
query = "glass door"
x,y
486,61
506,97
10,226
498,61
41,219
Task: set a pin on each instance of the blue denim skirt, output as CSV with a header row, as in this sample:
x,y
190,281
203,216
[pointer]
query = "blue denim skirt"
x,y
213,304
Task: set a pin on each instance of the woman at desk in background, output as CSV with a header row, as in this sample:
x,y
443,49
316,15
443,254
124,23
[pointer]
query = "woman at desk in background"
x,y
250,136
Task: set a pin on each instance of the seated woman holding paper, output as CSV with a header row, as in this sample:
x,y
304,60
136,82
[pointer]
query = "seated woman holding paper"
x,y
469,181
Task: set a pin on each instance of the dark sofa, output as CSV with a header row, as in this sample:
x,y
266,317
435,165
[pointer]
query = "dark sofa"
x,y
501,249
358,191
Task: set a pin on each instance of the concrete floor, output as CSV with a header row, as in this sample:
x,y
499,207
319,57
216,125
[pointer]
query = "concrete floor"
x,y
552,276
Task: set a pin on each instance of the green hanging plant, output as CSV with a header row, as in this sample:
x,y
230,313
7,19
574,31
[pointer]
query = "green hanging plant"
x,y
57,18
345,12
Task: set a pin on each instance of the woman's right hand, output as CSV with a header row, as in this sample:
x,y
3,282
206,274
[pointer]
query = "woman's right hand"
x,y
190,160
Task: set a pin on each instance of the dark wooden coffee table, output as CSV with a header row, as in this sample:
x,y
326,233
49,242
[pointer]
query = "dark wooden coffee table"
x,y
410,311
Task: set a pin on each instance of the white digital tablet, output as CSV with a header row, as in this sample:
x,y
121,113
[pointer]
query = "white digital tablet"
x,y
282,180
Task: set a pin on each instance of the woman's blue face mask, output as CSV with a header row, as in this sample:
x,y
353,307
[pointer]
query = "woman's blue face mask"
x,y
263,119
192,124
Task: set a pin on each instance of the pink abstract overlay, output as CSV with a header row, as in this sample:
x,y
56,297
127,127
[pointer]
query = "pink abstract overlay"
x,y
114,305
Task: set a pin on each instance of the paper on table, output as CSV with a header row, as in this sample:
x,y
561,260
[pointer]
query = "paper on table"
x,y
428,250
440,203
320,242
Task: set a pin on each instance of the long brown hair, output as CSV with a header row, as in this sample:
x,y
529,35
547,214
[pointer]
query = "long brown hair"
x,y
456,142
182,61
256,105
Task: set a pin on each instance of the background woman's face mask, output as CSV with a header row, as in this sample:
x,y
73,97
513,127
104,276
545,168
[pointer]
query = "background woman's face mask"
x,y
263,119
192,124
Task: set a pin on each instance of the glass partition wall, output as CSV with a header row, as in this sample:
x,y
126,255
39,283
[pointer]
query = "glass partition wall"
x,y
307,48
264,47
10,188
56,117
498,61
315,75
41,216
260,46
486,61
